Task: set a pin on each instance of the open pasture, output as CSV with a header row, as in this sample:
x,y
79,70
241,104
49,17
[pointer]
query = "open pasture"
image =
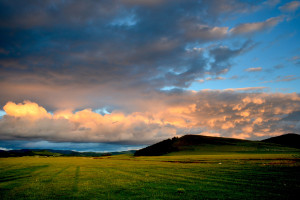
x,y
229,176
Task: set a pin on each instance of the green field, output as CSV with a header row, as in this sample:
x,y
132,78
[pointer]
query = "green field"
x,y
227,176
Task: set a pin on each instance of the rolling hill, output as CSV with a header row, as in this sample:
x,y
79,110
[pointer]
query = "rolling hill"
x,y
289,140
56,153
187,144
198,144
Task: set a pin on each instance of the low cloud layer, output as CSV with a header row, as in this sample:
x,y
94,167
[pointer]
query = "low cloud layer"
x,y
219,113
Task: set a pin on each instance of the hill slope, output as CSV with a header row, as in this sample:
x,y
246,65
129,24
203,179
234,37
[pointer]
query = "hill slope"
x,y
198,144
289,140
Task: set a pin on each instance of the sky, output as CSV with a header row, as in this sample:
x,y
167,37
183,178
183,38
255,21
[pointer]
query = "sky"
x,y
114,75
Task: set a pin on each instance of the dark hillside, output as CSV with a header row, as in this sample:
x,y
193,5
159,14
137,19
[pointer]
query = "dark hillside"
x,y
158,149
289,140
198,144
187,142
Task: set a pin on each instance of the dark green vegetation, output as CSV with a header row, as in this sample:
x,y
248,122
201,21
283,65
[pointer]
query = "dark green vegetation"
x,y
197,144
56,153
227,176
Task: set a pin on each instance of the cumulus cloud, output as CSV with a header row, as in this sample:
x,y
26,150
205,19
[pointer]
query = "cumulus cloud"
x,y
28,109
290,7
256,26
222,113
81,126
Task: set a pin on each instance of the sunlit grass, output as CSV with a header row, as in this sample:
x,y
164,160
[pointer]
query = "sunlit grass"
x,y
229,176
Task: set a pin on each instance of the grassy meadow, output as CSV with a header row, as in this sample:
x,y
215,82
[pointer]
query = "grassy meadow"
x,y
226,176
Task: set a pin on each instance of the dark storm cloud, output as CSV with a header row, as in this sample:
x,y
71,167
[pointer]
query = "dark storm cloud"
x,y
88,53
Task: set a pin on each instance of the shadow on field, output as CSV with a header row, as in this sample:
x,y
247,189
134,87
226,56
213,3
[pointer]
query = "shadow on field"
x,y
56,174
20,173
75,185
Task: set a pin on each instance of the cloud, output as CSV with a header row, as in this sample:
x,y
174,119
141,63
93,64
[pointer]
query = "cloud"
x,y
217,78
256,26
290,7
247,89
254,69
81,126
201,32
97,69
4,149
204,32
295,60
287,78
228,113
223,55
101,86
95,51
29,110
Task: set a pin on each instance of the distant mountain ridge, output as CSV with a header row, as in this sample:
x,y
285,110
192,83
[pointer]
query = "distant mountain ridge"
x,y
200,144
187,144
56,153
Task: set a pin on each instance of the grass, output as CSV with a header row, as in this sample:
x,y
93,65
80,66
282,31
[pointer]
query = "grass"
x,y
216,176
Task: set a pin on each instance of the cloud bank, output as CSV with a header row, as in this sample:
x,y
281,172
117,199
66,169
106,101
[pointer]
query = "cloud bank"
x,y
219,113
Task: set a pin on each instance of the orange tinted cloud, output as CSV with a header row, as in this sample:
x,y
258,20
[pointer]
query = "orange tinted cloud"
x,y
29,109
220,113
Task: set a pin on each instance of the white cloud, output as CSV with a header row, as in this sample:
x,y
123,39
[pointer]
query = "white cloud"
x,y
4,149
